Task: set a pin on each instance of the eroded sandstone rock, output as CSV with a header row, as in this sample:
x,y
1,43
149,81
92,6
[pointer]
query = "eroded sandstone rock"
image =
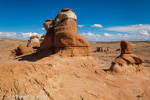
x,y
42,38
33,42
47,46
66,38
20,50
126,62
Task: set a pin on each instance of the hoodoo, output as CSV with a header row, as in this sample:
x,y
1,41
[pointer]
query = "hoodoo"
x,y
126,62
62,38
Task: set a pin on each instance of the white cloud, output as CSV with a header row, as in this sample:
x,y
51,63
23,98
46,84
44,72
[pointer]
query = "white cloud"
x,y
81,26
145,33
106,34
8,34
115,37
132,29
42,28
27,35
97,25
91,36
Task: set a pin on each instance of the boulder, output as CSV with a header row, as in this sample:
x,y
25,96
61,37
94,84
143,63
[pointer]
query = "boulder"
x,y
20,50
126,47
34,42
126,62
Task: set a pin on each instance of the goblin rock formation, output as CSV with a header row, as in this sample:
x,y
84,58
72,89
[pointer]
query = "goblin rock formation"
x,y
47,46
42,38
20,50
33,41
62,38
126,62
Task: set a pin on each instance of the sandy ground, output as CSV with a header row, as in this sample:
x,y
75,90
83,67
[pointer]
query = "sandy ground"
x,y
78,78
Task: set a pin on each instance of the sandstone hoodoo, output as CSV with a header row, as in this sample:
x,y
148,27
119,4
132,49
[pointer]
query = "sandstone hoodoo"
x,y
33,41
42,38
126,62
67,41
62,38
47,46
20,50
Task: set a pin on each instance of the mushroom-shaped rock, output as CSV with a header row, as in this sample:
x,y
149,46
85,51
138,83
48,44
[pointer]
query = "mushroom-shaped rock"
x,y
48,23
126,47
47,45
33,42
126,62
66,38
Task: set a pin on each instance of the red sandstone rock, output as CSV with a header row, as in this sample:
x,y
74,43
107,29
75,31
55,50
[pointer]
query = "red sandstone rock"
x,y
34,36
20,50
126,62
48,23
43,35
66,39
47,46
126,47
66,9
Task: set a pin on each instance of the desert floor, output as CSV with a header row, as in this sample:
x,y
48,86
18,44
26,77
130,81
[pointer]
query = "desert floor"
x,y
141,49
72,78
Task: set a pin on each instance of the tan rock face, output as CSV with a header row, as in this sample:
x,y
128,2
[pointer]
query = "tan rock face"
x,y
48,23
42,38
47,46
34,36
126,47
33,41
126,62
20,50
65,14
63,39
65,33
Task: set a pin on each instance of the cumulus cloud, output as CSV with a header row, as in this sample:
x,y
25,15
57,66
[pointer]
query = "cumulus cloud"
x,y
132,29
20,35
27,35
8,34
145,33
81,26
116,37
106,34
91,36
42,28
97,25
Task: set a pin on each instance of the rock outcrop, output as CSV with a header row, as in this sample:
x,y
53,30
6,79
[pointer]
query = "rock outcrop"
x,y
47,46
33,42
42,38
67,41
126,62
62,38
20,50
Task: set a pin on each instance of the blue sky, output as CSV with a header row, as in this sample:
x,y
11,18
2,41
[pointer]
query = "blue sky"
x,y
97,20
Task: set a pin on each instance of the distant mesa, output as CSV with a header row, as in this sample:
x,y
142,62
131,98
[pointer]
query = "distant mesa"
x,y
126,62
